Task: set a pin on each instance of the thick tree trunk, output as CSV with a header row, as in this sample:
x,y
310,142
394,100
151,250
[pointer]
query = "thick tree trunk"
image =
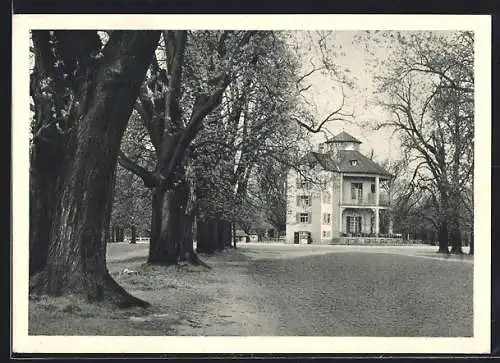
x,y
172,229
156,248
207,236
43,194
175,239
166,246
186,245
456,237
76,259
219,234
109,202
224,234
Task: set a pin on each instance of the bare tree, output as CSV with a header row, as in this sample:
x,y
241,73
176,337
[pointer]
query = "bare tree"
x,y
428,89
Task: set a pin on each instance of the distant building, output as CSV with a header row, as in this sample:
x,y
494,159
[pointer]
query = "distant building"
x,y
338,194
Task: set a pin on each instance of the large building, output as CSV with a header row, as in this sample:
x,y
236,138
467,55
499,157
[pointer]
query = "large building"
x,y
338,193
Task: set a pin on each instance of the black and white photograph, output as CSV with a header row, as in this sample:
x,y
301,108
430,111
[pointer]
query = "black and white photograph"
x,y
308,183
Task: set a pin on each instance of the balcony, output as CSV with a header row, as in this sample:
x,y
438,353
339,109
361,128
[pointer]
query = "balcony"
x,y
367,200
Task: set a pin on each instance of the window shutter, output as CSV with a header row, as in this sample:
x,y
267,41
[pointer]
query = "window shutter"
x,y
297,217
310,218
298,200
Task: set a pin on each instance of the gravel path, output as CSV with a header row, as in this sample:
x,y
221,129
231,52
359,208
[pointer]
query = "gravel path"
x,y
363,292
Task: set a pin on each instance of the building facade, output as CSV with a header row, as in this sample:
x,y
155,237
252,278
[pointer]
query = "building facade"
x,y
337,194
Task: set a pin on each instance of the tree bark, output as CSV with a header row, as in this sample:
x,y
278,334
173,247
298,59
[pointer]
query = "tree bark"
x,y
133,235
225,234
207,236
443,236
455,233
233,225
168,227
76,258
471,251
156,248
175,239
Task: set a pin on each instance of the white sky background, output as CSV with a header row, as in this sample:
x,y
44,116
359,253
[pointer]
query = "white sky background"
x,y
353,57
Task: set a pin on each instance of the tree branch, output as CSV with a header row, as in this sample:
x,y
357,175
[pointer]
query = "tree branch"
x,y
146,176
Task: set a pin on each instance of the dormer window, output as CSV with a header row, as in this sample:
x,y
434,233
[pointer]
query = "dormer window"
x,y
354,162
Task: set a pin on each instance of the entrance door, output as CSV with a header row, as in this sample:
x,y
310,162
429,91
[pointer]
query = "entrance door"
x,y
296,238
304,237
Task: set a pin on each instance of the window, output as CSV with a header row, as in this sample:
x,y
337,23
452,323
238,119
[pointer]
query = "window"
x,y
326,234
327,197
303,201
326,218
373,188
354,162
304,218
357,191
353,224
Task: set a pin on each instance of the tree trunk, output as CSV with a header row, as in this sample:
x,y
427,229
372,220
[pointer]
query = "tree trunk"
x,y
221,235
207,236
186,245
76,259
471,250
455,233
106,235
456,236
443,236
172,229
133,235
42,194
234,234
109,202
227,234
119,234
175,239
156,248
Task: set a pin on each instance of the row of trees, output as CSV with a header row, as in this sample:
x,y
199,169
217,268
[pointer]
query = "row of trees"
x,y
193,128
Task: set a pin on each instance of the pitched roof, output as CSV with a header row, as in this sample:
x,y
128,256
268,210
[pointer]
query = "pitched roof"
x,y
342,163
364,165
343,137
325,160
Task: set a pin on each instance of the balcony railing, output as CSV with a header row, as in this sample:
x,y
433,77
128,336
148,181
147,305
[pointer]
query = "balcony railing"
x,y
366,200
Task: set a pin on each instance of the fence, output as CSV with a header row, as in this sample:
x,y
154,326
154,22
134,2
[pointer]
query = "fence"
x,y
374,241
